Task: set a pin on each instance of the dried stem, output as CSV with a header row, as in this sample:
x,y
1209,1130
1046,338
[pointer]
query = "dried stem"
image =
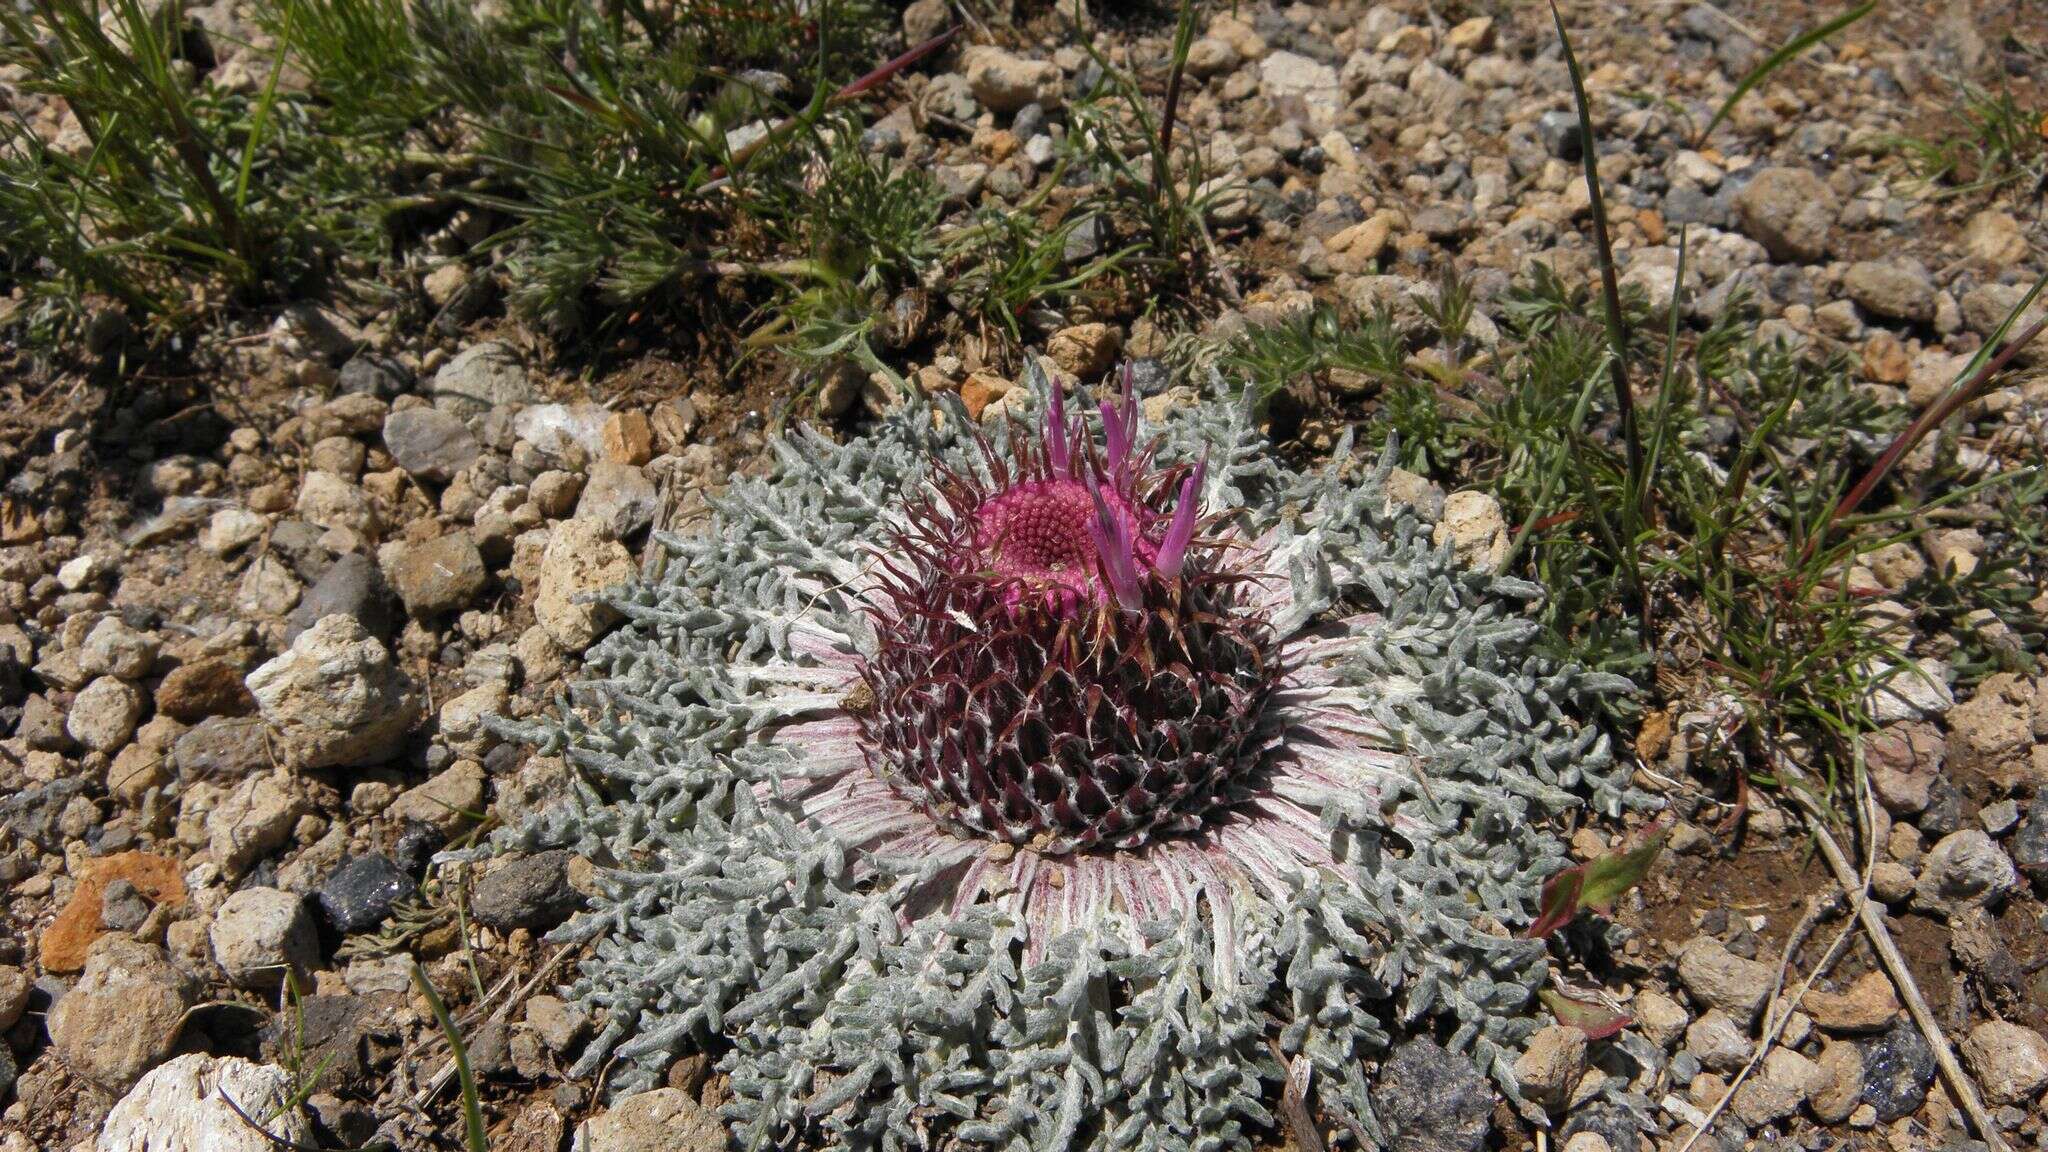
x,y
1952,1073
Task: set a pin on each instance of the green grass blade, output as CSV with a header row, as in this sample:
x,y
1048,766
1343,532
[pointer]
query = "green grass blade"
x,y
1776,60
472,1109
1617,324
263,107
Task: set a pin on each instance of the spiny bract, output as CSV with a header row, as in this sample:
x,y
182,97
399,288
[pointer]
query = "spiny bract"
x,y
1028,794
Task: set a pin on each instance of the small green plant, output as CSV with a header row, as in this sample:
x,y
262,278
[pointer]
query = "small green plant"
x,y
1998,143
475,1137
172,201
1305,350
1159,196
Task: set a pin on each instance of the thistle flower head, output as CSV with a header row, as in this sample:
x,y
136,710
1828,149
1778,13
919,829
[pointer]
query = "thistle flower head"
x,y
1058,662
1071,788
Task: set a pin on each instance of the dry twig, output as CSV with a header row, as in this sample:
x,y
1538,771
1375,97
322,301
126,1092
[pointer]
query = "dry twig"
x,y
1952,1073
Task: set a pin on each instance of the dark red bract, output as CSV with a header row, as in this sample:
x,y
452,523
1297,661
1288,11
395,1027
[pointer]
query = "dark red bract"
x,y
1061,663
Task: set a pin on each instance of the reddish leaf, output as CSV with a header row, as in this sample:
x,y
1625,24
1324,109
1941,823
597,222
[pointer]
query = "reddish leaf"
x,y
1597,1021
1595,884
1610,876
1560,901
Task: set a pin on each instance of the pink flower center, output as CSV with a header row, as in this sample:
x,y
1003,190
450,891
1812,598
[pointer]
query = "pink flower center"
x,y
1042,535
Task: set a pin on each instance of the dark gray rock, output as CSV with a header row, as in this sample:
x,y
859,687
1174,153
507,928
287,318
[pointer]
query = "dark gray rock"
x,y
337,1034
299,543
359,894
123,906
351,587
369,374
2029,845
1559,131
1898,1068
1686,204
1433,1100
429,443
529,892
1944,812
36,814
1620,1127
1085,242
42,725
13,689
221,748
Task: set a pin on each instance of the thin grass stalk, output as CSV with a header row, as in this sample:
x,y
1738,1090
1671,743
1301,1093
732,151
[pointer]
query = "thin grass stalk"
x,y
1937,414
473,1133
1610,288
1183,42
1776,60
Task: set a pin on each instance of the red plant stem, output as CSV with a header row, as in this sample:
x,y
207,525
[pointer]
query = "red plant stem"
x,y
882,74
1934,417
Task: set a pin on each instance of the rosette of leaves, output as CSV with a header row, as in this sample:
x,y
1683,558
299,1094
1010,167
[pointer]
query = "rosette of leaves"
x,y
1071,785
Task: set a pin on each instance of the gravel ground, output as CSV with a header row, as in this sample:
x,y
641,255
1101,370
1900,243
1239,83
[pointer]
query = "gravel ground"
x,y
252,619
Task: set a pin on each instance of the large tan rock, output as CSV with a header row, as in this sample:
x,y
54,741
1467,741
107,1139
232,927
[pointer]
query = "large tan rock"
x,y
335,698
582,558
123,1016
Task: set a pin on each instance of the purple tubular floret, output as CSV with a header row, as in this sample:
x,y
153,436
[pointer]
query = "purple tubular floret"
x,y
1173,549
1056,434
1115,553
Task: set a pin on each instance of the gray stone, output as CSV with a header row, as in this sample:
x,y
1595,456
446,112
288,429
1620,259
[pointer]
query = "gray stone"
x,y
1966,868
480,378
311,332
353,587
1790,211
260,934
335,698
1893,289
1718,1042
430,443
1433,1100
2029,845
112,648
369,374
123,907
104,714
531,892
1721,979
221,748
1559,131
619,496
